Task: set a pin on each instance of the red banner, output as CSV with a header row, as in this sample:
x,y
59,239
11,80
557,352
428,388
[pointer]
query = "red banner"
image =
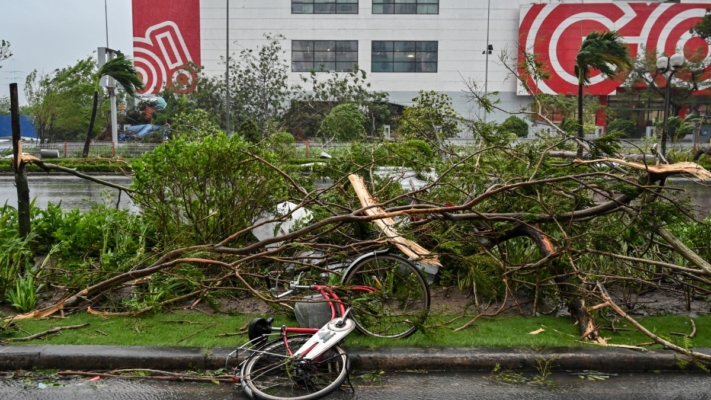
x,y
166,42
554,34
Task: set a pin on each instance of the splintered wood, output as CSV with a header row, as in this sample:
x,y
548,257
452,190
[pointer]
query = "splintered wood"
x,y
411,249
662,169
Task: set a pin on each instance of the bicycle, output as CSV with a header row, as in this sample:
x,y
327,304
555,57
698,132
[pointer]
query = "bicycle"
x,y
273,371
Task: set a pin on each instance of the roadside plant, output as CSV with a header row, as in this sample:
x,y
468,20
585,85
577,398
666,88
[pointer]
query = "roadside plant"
x,y
344,123
24,295
432,118
202,192
121,70
514,124
602,51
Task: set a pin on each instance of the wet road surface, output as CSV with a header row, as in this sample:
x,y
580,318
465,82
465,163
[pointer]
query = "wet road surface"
x,y
464,385
73,192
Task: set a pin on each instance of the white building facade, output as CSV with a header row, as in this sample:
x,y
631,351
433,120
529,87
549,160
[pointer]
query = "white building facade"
x,y
404,45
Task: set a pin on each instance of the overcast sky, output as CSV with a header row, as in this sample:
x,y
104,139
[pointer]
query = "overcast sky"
x,y
50,34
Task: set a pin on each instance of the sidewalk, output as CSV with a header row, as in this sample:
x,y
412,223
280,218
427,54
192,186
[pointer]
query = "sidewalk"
x,y
389,359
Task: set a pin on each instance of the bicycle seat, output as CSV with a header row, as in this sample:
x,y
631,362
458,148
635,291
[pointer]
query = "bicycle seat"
x,y
260,327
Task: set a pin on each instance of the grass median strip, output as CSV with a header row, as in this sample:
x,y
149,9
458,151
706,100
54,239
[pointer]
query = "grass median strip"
x,y
224,331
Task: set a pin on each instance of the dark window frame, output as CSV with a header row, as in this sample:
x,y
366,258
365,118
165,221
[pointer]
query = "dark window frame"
x,y
391,7
315,55
297,6
388,57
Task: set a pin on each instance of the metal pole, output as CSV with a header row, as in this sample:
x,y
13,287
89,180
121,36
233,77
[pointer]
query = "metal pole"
x,y
486,71
667,94
486,65
227,70
106,18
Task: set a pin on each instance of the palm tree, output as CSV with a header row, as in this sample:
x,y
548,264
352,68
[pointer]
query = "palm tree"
x,y
605,52
121,69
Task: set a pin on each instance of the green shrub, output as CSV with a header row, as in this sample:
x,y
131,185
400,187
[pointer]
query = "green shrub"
x,y
250,131
622,125
514,124
345,122
282,144
202,192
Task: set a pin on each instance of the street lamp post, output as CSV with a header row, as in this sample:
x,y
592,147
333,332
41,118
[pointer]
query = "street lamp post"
x,y
668,66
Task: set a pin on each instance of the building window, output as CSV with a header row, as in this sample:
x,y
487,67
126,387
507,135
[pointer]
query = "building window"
x,y
324,6
324,55
405,6
404,57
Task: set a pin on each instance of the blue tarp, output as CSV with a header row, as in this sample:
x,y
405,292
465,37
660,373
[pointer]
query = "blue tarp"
x,y
143,130
27,130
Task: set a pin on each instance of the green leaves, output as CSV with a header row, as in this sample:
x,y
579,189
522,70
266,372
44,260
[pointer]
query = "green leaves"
x,y
603,51
345,122
23,295
432,118
203,191
4,50
121,69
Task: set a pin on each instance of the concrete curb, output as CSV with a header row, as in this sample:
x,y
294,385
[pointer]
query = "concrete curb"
x,y
389,359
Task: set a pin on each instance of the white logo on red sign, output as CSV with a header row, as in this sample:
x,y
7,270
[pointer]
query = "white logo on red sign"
x,y
162,58
554,34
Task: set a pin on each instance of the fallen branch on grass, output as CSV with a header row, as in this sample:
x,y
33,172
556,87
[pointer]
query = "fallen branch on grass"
x,y
668,344
691,335
45,333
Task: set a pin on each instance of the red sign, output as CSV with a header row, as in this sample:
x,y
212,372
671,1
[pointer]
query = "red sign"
x,y
166,42
554,34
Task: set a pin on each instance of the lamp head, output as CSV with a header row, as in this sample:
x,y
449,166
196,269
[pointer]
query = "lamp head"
x,y
676,61
663,63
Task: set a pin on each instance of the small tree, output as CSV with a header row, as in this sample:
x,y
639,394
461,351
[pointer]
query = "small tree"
x,y
514,124
121,70
4,50
259,88
602,51
622,125
345,122
432,118
326,91
250,131
59,101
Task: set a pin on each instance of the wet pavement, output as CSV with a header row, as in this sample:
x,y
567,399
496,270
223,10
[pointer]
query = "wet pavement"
x,y
73,192
462,385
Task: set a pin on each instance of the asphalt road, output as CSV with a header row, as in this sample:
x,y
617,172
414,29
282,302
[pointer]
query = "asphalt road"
x,y
464,385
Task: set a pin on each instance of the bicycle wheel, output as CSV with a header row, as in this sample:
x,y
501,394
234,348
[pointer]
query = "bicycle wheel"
x,y
272,374
398,305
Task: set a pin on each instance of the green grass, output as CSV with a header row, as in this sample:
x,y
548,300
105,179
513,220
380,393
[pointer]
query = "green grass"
x,y
158,330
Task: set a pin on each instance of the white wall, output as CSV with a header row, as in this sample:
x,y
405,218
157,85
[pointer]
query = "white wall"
x,y
460,28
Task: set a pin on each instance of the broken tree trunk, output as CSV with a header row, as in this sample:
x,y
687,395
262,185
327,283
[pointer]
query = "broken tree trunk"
x,y
23,189
562,275
413,250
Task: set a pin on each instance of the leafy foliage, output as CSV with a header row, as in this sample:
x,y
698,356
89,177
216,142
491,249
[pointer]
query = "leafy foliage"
x,y
24,295
250,131
60,101
605,52
259,88
515,125
4,50
703,27
324,91
194,125
201,192
344,123
624,126
432,118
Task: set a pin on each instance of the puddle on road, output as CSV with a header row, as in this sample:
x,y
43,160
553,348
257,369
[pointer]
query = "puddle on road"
x,y
114,389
